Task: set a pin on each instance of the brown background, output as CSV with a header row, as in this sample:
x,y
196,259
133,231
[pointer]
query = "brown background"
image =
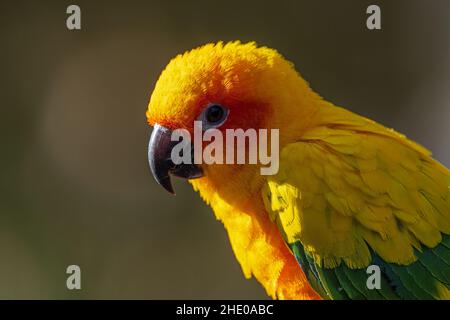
x,y
75,186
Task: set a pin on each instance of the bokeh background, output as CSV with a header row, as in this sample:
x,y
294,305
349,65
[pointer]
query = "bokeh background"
x,y
75,187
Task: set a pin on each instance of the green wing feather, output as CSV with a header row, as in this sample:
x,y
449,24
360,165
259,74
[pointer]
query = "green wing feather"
x,y
414,281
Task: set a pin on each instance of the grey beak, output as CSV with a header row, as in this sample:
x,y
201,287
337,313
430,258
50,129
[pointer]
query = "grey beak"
x,y
159,157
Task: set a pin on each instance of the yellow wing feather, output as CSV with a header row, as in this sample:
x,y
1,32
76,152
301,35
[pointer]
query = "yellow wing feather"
x,y
350,184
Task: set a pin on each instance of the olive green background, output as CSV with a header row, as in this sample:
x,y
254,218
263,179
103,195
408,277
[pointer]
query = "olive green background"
x,y
75,187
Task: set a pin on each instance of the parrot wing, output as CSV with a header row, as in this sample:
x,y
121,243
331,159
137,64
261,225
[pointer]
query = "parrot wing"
x,y
351,193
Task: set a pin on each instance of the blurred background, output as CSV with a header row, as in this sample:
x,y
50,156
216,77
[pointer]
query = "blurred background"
x,y
75,186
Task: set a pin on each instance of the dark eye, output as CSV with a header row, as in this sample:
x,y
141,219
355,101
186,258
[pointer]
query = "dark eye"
x,y
214,115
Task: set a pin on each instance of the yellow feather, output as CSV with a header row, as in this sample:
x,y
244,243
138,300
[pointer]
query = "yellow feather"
x,y
361,185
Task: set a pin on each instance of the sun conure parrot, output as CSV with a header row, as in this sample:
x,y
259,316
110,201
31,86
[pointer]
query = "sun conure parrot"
x,y
349,192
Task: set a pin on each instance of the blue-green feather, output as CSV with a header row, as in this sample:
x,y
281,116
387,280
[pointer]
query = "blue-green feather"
x,y
425,278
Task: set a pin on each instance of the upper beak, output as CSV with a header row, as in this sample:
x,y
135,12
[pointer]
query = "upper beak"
x,y
159,157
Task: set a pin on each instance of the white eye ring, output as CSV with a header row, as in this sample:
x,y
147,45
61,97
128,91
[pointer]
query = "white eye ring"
x,y
213,116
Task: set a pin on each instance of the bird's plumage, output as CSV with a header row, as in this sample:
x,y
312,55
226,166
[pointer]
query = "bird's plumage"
x,y
349,192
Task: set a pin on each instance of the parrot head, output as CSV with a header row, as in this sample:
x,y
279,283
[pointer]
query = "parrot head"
x,y
225,86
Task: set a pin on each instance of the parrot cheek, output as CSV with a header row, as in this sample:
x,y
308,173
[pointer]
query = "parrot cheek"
x,y
161,165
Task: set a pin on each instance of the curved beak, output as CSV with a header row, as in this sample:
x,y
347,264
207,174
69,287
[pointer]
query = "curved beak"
x,y
159,157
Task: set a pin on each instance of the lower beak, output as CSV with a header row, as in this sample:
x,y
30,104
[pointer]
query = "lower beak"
x,y
159,157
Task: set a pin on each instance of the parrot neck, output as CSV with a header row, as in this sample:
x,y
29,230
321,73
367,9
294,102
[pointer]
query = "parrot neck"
x,y
301,113
241,191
